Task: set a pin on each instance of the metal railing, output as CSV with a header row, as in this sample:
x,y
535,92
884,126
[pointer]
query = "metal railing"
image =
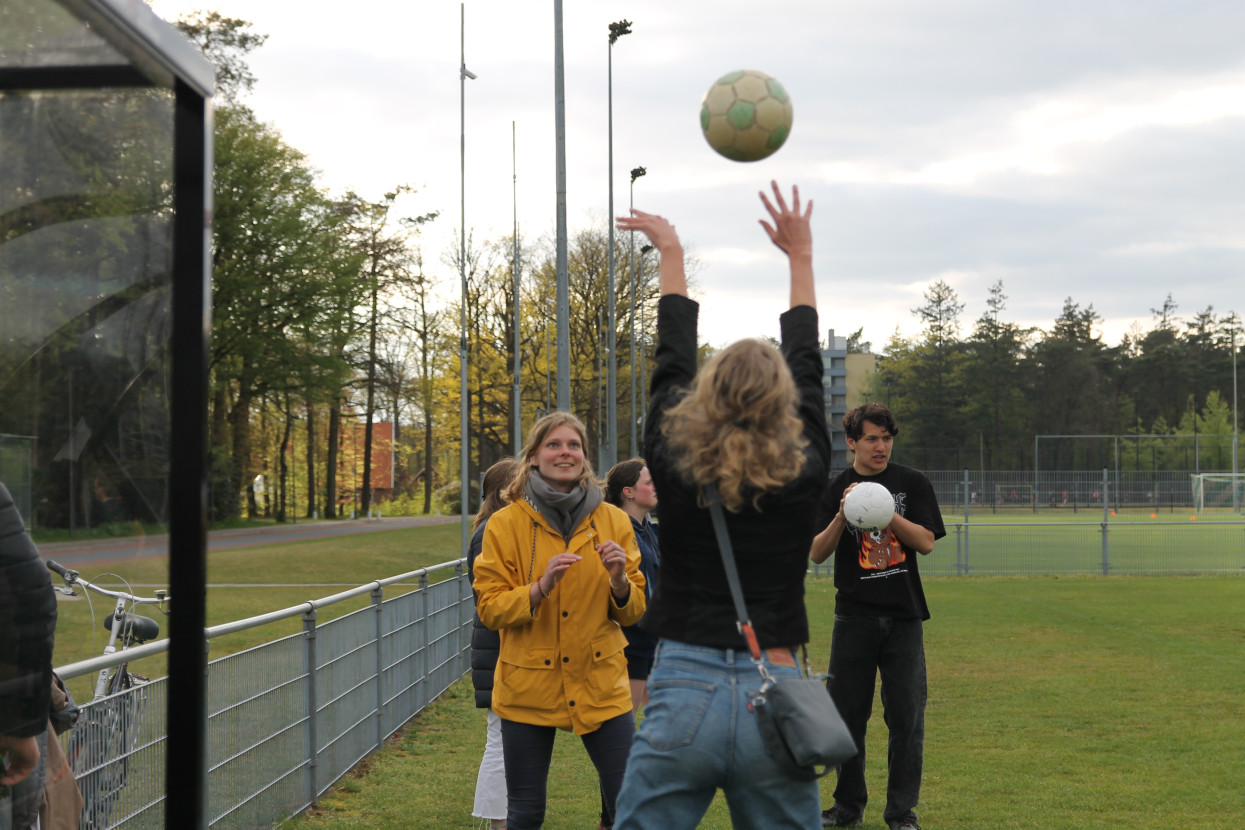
x,y
1066,536
286,718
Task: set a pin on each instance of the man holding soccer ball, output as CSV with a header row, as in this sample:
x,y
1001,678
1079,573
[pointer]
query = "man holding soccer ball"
x,y
878,616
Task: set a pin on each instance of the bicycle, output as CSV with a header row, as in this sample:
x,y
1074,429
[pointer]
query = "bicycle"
x,y
107,732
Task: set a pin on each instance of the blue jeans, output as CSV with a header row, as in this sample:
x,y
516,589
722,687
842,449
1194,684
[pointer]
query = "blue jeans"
x,y
860,647
698,737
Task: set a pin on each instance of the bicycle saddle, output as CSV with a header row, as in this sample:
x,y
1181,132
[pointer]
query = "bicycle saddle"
x,y
137,627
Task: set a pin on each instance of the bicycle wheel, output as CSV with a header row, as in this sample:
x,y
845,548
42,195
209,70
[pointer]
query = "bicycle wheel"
x,y
101,743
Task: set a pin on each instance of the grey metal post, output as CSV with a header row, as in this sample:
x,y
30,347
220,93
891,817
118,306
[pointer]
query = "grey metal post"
x,y
636,172
421,656
644,249
617,30
1106,518
313,737
966,492
378,600
561,269
464,425
516,415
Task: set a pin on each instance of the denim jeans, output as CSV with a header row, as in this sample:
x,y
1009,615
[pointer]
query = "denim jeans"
x,y
528,750
860,647
698,736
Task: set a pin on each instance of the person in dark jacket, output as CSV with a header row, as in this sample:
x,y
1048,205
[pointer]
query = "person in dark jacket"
x,y
629,486
490,800
27,629
752,421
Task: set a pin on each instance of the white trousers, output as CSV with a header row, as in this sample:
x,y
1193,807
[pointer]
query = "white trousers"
x,y
491,782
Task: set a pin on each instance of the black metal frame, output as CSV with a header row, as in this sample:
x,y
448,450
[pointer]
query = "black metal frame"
x,y
161,57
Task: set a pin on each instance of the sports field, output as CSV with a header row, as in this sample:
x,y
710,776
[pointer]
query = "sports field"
x,y
1055,701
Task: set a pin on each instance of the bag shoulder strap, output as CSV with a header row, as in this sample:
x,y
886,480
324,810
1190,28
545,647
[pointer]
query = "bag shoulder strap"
x,y
732,574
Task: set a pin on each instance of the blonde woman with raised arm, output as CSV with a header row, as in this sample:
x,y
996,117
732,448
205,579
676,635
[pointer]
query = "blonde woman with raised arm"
x,y
753,422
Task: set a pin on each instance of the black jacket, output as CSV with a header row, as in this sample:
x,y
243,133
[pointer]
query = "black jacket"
x,y
27,628
693,601
485,642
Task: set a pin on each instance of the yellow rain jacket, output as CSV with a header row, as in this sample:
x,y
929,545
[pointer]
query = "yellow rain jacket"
x,y
564,665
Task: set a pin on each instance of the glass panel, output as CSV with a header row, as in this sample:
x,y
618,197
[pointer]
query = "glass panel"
x,y
37,33
85,242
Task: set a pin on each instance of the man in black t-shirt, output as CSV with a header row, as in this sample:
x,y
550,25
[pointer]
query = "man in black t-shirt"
x,y
878,615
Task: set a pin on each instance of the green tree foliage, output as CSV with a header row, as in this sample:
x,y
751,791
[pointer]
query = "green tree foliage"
x,y
282,284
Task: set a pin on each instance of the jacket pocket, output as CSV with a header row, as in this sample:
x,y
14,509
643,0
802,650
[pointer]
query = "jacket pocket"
x,y
525,679
609,665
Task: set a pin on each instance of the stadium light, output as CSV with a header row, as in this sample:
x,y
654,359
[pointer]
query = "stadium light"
x,y
464,426
636,172
609,453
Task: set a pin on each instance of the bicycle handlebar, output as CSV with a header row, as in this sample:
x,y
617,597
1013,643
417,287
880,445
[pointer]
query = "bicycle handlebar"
x,y
72,578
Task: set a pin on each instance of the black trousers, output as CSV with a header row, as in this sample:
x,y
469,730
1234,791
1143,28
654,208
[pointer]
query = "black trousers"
x,y
528,750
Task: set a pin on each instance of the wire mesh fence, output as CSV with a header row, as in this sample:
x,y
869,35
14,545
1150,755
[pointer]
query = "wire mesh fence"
x,y
286,718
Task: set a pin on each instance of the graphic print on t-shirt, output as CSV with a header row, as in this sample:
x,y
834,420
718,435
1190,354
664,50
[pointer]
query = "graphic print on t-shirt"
x,y
879,550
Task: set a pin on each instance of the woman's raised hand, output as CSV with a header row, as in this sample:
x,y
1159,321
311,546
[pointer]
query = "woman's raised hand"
x,y
790,230
657,228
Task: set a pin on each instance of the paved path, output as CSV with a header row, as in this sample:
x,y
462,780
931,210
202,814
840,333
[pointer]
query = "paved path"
x,y
100,551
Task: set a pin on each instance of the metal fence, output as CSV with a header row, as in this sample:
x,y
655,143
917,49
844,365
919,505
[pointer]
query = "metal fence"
x,y
1075,522
286,718
1068,491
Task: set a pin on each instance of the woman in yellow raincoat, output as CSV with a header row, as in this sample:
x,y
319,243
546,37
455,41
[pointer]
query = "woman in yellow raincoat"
x,y
558,575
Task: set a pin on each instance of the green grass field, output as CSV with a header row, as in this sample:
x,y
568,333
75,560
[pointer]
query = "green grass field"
x,y
1071,703
1055,702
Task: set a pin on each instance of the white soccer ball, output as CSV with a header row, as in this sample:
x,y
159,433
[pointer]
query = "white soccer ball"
x,y
869,506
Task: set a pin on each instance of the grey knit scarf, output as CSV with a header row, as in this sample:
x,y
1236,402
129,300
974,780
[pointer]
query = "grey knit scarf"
x,y
564,511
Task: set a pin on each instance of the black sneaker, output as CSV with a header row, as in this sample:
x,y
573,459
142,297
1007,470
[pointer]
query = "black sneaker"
x,y
836,816
906,824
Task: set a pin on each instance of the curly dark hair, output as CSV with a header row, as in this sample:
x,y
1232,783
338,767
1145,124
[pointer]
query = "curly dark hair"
x,y
878,414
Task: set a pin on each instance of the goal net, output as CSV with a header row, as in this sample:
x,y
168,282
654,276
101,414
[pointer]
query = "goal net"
x,y
1218,491
1014,495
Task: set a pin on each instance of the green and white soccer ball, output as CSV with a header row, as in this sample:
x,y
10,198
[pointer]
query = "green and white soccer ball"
x,y
869,506
746,115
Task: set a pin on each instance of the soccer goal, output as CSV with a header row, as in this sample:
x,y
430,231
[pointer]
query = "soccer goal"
x,y
1014,495
1218,491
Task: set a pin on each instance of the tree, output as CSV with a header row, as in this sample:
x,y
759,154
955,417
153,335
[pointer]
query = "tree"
x,y
1067,384
275,262
934,384
994,370
384,246
225,41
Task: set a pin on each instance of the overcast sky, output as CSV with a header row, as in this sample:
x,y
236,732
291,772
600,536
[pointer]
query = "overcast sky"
x,y
1091,149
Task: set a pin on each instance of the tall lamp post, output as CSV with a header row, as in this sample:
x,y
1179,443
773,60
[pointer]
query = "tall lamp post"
x,y
643,347
1234,406
463,75
636,172
516,404
610,454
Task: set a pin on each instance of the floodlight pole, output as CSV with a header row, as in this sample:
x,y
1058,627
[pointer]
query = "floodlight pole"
x,y
1234,404
609,454
464,425
516,405
643,348
561,269
636,172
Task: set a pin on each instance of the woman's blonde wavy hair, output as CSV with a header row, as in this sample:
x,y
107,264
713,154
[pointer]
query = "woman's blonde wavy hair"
x,y
737,425
535,438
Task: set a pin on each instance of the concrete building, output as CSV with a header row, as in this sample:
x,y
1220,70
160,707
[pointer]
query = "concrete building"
x,y
845,376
